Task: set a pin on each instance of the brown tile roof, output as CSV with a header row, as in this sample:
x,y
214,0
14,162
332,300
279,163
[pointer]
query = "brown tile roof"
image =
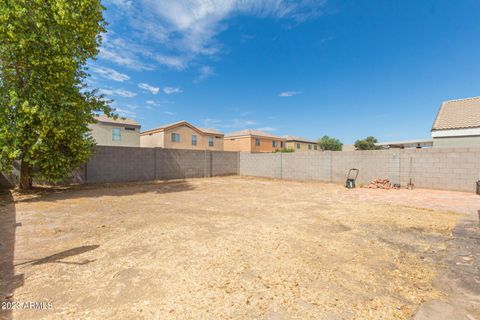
x,y
105,119
299,139
252,132
458,114
183,122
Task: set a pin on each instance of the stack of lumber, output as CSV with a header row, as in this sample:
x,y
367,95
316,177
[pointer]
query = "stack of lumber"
x,y
379,184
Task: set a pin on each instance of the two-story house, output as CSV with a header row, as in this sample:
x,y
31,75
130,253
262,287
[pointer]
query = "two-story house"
x,y
253,141
121,132
182,135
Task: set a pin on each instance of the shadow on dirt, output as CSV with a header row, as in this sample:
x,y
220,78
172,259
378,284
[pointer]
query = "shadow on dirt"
x,y
55,193
57,257
9,281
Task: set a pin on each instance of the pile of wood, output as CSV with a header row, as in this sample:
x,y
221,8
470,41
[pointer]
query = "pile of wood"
x,y
379,184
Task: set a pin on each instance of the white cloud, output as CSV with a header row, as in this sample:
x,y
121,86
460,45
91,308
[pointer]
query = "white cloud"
x,y
151,102
124,53
110,74
171,90
289,93
169,113
145,86
172,62
267,129
186,29
124,93
233,123
125,113
204,73
117,92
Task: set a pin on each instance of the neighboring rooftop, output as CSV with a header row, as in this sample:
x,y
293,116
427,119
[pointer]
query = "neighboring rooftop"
x,y
298,139
119,120
458,114
406,144
252,132
179,123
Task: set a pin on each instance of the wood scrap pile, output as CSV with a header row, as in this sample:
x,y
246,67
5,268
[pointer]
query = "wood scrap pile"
x,y
379,184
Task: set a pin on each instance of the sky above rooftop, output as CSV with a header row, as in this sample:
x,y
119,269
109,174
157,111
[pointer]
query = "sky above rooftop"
x,y
308,68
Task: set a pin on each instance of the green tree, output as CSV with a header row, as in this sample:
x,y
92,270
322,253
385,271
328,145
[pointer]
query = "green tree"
x,y
366,144
329,143
45,107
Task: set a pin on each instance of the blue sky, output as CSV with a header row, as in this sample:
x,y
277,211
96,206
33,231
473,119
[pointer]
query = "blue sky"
x,y
347,69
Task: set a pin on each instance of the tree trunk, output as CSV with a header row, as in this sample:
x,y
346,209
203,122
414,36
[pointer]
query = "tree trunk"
x,y
25,178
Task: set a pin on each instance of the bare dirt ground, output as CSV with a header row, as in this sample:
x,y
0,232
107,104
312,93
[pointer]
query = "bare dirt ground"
x,y
224,248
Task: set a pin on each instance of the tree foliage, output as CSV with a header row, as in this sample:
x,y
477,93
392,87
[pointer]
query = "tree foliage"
x,y
45,107
366,144
329,143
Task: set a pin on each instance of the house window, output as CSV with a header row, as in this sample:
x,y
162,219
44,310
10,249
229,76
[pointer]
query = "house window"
x,y
129,128
281,144
175,137
257,142
309,147
298,145
116,134
194,140
315,147
210,141
274,143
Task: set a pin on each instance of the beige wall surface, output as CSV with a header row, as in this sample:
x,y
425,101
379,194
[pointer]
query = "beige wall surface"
x,y
303,146
238,144
164,139
102,133
152,140
248,144
266,144
457,142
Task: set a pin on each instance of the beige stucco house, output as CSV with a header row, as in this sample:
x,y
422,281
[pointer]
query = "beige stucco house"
x,y
115,132
299,144
457,124
182,135
253,141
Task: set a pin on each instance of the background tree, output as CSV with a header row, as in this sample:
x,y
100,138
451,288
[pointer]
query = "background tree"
x,y
366,144
329,143
45,107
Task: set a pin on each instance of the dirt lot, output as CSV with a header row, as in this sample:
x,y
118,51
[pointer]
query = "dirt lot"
x,y
220,248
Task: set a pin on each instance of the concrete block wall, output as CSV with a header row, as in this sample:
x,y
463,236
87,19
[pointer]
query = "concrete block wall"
x,y
441,168
307,166
175,164
436,168
224,163
371,165
268,165
121,164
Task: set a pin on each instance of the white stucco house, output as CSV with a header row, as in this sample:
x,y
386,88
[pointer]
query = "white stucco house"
x,y
457,124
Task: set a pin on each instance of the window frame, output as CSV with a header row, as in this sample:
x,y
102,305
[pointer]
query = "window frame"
x,y
211,141
114,135
174,134
194,140
257,142
298,146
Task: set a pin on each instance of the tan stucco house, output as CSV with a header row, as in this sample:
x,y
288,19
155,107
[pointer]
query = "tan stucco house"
x,y
253,141
120,132
457,124
299,144
182,135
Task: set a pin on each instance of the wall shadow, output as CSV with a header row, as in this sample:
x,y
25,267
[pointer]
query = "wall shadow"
x,y
55,193
57,257
9,281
